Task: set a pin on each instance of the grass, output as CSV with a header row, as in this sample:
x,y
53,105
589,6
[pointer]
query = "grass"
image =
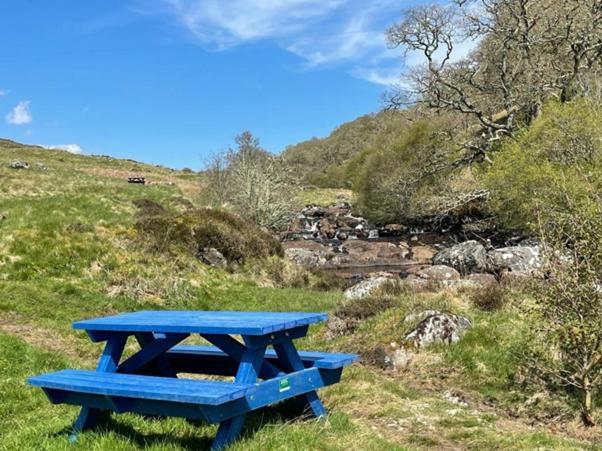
x,y
69,250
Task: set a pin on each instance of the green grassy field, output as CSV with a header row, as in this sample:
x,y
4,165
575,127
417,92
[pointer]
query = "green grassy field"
x,y
68,251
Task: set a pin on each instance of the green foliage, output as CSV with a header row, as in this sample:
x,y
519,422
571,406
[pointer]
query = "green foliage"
x,y
553,168
322,162
398,179
194,230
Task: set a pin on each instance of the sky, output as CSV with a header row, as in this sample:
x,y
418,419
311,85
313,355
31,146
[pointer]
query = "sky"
x,y
172,81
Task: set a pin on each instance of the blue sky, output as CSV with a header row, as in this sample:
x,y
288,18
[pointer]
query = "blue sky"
x,y
172,81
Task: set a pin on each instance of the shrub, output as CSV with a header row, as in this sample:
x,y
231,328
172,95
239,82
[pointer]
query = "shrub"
x,y
555,162
489,298
194,230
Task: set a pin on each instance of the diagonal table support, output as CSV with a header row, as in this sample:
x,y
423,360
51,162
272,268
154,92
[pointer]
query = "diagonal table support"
x,y
249,368
290,361
109,360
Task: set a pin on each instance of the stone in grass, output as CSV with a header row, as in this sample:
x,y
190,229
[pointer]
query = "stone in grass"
x,y
18,164
367,287
211,256
439,273
437,327
467,257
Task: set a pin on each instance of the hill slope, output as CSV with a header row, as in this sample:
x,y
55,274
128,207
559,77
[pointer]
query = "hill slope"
x,y
68,251
320,161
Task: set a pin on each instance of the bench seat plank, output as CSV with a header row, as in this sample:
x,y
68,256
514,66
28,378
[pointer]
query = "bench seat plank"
x,y
322,360
143,387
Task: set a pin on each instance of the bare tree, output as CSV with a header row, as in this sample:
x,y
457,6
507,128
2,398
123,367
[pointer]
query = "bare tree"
x,y
526,51
252,182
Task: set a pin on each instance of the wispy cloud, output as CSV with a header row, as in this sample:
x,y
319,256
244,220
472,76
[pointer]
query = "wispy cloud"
x,y
71,148
20,114
2,92
320,32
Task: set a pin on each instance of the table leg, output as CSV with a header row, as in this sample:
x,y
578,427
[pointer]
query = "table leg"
x,y
248,371
289,359
88,417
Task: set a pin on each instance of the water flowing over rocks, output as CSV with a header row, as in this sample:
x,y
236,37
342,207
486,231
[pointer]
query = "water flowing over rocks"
x,y
334,239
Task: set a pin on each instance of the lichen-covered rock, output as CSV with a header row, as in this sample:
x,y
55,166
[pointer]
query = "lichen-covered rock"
x,y
211,256
310,258
466,257
17,164
481,279
439,273
438,327
337,326
518,260
366,287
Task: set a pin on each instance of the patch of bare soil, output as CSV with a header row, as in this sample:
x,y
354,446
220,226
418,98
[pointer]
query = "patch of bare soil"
x,y
39,337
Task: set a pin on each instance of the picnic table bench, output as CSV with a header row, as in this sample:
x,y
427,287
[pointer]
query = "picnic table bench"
x,y
147,382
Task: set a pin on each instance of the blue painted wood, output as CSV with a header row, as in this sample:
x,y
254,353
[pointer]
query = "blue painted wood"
x,y
229,347
143,387
160,365
248,372
149,352
202,322
108,362
323,360
290,361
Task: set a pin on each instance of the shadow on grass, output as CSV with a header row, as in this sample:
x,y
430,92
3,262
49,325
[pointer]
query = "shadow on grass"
x,y
279,414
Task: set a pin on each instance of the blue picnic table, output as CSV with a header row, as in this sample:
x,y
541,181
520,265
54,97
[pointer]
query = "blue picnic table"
x,y
147,382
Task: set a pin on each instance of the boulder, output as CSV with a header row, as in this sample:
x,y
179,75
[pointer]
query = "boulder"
x,y
482,279
366,287
17,164
422,254
438,327
307,257
439,273
518,260
466,257
211,256
370,253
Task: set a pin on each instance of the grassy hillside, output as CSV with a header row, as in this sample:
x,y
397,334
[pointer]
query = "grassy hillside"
x,y
69,250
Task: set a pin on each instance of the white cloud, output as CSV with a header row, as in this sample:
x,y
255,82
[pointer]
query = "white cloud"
x,y
20,114
71,148
320,32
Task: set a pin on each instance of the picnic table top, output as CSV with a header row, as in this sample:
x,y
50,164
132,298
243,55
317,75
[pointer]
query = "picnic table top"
x,y
202,322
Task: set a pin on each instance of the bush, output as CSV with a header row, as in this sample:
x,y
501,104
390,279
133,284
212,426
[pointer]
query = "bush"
x,y
552,165
194,230
409,177
489,298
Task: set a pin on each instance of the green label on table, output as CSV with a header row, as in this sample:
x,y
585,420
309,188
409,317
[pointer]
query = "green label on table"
x,y
285,385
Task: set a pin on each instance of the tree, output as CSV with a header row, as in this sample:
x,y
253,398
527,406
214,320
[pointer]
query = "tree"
x,y
569,305
526,52
252,182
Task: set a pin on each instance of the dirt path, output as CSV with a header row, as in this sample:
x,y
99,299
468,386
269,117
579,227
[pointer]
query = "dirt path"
x,y
40,337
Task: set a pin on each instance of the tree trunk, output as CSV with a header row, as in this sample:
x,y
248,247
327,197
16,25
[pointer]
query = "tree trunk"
x,y
586,404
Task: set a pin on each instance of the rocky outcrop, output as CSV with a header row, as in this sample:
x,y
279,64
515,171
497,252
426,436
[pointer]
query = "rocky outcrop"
x,y
367,286
466,257
328,223
17,164
371,253
518,260
437,327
